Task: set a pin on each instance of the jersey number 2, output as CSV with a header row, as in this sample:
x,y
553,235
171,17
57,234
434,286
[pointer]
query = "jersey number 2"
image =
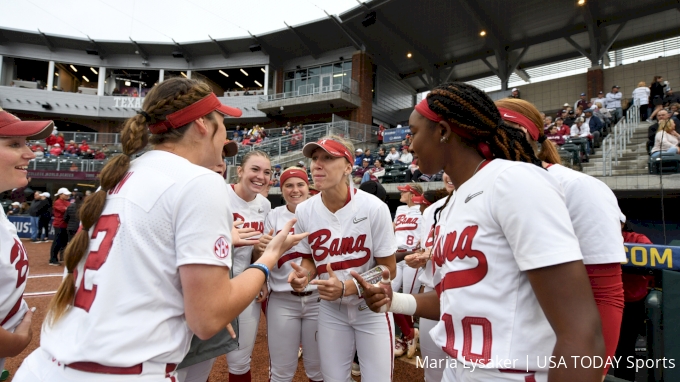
x,y
467,338
102,237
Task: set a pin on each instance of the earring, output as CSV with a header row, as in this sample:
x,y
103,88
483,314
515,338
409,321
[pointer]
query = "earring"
x,y
444,140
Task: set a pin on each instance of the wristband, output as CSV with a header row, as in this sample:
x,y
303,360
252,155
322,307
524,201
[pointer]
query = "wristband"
x,y
403,303
261,267
360,290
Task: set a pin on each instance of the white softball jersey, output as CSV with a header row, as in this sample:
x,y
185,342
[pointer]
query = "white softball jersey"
x,y
349,239
426,277
507,219
278,276
407,224
594,213
252,214
128,309
13,275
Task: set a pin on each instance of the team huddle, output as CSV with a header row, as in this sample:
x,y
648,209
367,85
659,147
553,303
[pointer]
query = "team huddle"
x,y
501,265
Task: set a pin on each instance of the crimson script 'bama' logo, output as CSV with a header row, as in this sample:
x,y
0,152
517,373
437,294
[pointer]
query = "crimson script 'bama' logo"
x,y
447,250
337,247
259,226
405,223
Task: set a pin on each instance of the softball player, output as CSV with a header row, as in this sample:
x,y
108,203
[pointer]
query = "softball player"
x,y
150,266
407,226
248,205
594,213
349,230
419,260
15,317
291,316
513,287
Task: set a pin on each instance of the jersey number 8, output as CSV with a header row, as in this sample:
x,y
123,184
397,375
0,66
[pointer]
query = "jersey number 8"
x,y
100,243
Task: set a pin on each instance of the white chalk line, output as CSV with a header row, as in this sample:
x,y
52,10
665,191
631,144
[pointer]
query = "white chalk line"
x,y
39,294
46,275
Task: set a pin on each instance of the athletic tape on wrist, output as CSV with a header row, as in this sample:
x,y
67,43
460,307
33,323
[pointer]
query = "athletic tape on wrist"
x,y
403,303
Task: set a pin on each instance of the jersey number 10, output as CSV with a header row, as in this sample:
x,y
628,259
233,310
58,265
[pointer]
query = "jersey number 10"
x,y
467,338
106,227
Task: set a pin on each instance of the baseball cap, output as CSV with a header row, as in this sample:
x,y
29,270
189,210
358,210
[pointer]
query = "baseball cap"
x,y
583,94
358,151
45,194
600,92
571,112
301,163
193,112
420,199
277,166
564,111
12,126
513,89
374,188
409,188
64,191
16,204
588,110
616,86
57,145
230,148
330,146
366,160
565,104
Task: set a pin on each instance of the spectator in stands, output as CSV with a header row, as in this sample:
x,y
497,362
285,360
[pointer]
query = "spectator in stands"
x,y
84,146
600,98
656,94
60,140
582,102
288,128
359,172
368,155
276,175
39,152
674,109
666,139
14,209
602,113
358,157
374,173
52,139
641,95
652,130
381,154
56,150
670,98
381,134
613,103
296,140
581,130
514,93
236,137
74,167
570,119
554,136
393,156
34,146
547,122
99,155
88,155
595,125
406,157
302,165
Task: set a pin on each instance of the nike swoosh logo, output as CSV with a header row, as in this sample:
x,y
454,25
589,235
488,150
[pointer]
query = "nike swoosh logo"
x,y
259,211
355,220
473,196
508,116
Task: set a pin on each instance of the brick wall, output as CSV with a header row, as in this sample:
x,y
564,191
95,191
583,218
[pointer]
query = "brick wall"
x,y
362,73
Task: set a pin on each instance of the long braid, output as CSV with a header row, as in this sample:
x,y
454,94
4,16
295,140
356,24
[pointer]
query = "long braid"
x,y
475,114
165,98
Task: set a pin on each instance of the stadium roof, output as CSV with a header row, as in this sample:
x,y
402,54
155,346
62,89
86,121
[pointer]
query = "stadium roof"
x,y
441,36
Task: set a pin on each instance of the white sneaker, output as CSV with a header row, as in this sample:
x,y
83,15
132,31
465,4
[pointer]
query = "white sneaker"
x,y
399,348
411,345
356,370
299,352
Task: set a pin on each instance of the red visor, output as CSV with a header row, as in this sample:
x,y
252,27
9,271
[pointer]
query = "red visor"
x,y
424,109
513,116
293,173
12,126
193,112
330,146
421,200
408,188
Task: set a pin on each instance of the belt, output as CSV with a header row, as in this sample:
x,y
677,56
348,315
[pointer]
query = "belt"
x,y
92,367
301,294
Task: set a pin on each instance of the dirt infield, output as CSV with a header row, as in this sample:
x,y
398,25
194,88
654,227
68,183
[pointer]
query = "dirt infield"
x,y
44,278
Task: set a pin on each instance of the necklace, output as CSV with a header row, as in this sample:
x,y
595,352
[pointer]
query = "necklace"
x,y
477,169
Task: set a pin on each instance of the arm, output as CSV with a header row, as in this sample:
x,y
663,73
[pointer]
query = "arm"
x,y
564,293
15,343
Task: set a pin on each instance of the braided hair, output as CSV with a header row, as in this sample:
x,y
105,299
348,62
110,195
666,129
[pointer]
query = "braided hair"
x,y
477,120
164,99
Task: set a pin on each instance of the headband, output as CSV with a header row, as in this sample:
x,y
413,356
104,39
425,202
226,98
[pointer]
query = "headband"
x,y
293,173
193,112
424,109
520,119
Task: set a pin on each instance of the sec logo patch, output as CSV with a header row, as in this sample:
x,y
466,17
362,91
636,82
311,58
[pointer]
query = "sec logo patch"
x,y
221,248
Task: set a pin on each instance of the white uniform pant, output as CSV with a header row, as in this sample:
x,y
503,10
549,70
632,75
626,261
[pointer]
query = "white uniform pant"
x,y
460,374
430,351
291,321
407,278
238,360
39,366
196,373
344,329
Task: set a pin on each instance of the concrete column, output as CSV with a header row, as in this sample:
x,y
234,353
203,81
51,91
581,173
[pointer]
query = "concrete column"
x,y
50,76
595,81
188,73
266,79
2,63
161,75
101,80
362,73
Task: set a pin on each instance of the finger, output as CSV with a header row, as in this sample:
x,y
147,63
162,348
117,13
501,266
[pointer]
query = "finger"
x,y
231,331
288,226
271,232
299,270
386,274
329,269
237,223
245,243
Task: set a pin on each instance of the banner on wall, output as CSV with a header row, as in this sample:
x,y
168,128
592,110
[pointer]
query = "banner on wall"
x,y
395,135
62,175
23,226
652,256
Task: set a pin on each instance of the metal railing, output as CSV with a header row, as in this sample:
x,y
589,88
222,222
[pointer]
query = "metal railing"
x,y
615,144
64,164
92,138
311,89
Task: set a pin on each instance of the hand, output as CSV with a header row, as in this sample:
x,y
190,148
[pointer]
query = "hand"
x,y
264,292
331,289
231,331
298,279
24,328
418,259
239,235
264,240
283,241
374,296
